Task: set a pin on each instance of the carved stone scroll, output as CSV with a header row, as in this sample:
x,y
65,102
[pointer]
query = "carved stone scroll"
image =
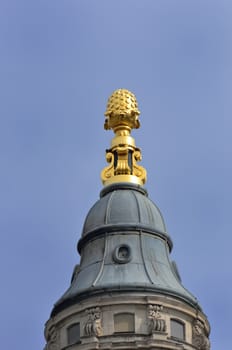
x,y
93,326
156,323
200,339
52,339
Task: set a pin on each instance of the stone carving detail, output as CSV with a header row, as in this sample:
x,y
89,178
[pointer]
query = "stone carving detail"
x,y
93,326
156,323
52,339
200,339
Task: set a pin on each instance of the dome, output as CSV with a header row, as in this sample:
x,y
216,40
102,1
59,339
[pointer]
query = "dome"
x,y
124,247
126,206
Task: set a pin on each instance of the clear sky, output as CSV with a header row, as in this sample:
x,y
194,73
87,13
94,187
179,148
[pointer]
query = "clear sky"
x,y
59,62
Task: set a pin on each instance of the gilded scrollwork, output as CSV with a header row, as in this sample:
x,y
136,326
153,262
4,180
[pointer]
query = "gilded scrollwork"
x,y
156,322
93,326
108,171
200,338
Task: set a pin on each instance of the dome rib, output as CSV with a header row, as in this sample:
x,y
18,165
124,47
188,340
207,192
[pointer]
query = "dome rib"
x,y
138,206
108,208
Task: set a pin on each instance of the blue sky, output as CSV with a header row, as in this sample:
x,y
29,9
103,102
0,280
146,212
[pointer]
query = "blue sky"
x,y
59,62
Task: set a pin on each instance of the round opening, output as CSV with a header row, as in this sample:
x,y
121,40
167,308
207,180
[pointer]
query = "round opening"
x,y
122,254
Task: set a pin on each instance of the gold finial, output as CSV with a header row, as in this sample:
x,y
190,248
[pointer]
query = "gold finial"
x,y
122,110
122,116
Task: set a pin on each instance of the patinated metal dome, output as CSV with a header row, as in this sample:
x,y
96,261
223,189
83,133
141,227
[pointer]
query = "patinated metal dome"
x,y
124,246
124,205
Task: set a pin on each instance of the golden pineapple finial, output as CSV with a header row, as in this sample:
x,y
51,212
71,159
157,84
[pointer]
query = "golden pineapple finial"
x,y
122,116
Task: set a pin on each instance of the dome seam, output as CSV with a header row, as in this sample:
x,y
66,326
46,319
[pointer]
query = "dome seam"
x,y
138,206
108,207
